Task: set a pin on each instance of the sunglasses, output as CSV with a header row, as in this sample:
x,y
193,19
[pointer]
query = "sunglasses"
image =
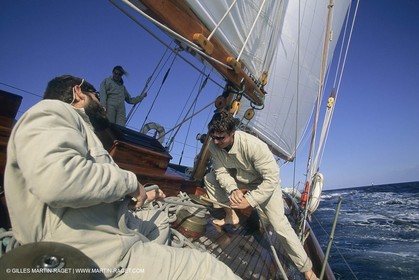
x,y
96,93
117,73
219,138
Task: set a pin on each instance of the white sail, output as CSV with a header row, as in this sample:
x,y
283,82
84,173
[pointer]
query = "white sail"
x,y
294,79
278,123
247,28
284,38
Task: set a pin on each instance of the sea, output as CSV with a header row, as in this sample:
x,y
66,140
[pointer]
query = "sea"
x,y
377,231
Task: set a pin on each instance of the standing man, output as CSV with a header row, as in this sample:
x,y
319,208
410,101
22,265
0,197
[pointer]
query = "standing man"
x,y
61,185
113,94
242,161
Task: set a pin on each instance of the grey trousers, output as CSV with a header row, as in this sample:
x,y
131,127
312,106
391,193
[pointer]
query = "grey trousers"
x,y
116,112
274,210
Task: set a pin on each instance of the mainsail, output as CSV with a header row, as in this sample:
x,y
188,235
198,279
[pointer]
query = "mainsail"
x,y
294,77
283,40
248,29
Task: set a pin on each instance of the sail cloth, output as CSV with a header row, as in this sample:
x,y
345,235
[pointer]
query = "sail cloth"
x,y
278,124
283,121
248,29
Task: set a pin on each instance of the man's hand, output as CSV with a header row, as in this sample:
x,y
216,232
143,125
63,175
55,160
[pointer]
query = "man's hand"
x,y
242,205
155,195
143,95
140,195
237,200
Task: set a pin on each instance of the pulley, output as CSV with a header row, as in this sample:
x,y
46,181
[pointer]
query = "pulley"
x,y
220,102
235,107
330,102
249,114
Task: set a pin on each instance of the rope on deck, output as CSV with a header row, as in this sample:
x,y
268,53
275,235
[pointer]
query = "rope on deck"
x,y
178,239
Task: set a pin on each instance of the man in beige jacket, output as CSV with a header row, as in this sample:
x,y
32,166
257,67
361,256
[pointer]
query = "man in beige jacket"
x,y
61,185
242,161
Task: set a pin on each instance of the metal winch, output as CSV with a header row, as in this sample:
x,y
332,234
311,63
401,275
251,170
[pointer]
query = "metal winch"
x,y
191,221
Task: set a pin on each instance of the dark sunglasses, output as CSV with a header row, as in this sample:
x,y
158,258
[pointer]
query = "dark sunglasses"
x,y
96,93
219,138
117,73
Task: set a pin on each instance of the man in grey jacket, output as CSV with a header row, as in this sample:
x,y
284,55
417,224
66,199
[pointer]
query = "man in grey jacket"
x,y
113,93
242,161
61,185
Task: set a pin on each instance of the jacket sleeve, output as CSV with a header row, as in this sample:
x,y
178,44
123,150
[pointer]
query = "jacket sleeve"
x,y
59,169
129,99
264,164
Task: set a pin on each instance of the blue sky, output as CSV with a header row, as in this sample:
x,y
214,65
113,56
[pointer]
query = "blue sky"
x,y
375,130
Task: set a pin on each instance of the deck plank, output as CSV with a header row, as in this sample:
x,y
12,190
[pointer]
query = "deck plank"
x,y
244,248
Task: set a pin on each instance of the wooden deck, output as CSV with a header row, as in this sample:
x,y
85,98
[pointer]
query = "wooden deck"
x,y
245,248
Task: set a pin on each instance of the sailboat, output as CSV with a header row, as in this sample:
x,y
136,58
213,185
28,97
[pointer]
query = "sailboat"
x,y
273,57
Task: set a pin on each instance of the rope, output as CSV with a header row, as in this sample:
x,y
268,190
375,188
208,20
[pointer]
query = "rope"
x,y
34,94
221,20
178,240
251,30
294,185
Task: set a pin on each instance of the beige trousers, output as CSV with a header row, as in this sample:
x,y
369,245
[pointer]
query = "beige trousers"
x,y
274,210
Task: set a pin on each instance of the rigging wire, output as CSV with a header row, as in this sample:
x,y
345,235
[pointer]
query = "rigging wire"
x,y
134,108
186,136
173,33
34,94
160,88
193,115
343,64
335,246
183,110
193,105
160,40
